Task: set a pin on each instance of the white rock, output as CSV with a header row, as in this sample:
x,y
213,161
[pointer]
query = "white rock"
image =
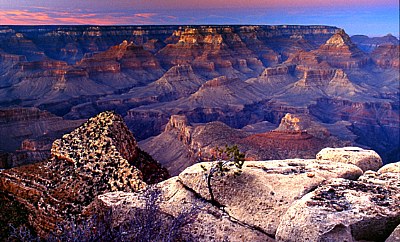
x,y
365,159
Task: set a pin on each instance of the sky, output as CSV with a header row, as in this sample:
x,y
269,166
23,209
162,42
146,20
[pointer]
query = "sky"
x,y
369,17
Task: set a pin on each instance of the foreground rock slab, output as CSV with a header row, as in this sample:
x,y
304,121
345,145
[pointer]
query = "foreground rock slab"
x,y
207,223
365,159
265,190
343,210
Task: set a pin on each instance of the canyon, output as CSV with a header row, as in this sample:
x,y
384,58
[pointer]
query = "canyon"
x,y
110,123
245,77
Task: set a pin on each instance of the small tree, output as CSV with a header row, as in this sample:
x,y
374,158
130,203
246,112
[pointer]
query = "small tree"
x,y
222,162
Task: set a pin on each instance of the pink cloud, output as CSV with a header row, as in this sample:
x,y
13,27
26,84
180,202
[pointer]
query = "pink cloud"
x,y
144,15
21,17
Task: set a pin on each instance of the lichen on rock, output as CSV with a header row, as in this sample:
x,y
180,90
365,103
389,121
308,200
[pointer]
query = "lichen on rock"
x,y
98,157
345,210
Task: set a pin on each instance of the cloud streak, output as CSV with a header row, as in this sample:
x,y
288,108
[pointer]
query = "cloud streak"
x,y
49,17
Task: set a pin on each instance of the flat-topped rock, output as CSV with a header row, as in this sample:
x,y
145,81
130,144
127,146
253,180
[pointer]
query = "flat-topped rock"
x,y
365,159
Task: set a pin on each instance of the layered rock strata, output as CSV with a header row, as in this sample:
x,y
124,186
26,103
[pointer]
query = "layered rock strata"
x,y
78,71
27,134
182,143
387,56
340,52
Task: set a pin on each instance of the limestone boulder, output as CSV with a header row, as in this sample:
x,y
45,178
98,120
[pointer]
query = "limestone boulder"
x,y
365,159
343,210
391,167
176,202
265,189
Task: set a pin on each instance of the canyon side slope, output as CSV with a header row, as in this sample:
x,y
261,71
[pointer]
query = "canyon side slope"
x,y
247,77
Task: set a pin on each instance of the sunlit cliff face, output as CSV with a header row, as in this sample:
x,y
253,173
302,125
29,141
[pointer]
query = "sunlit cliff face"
x,y
376,17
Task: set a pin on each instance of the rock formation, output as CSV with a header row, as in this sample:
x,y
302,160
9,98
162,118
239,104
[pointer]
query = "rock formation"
x,y
272,186
365,159
337,52
209,223
387,56
340,52
98,169
238,75
290,200
369,44
27,134
182,143
394,236
100,156
366,209
391,167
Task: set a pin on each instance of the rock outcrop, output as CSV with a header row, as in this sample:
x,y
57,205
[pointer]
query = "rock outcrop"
x,y
391,167
100,156
340,52
98,170
286,200
337,52
182,143
394,236
365,159
207,223
265,190
298,135
302,123
344,210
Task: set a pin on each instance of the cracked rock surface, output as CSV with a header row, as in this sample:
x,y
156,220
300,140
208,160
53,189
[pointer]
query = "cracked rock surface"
x,y
367,209
265,189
